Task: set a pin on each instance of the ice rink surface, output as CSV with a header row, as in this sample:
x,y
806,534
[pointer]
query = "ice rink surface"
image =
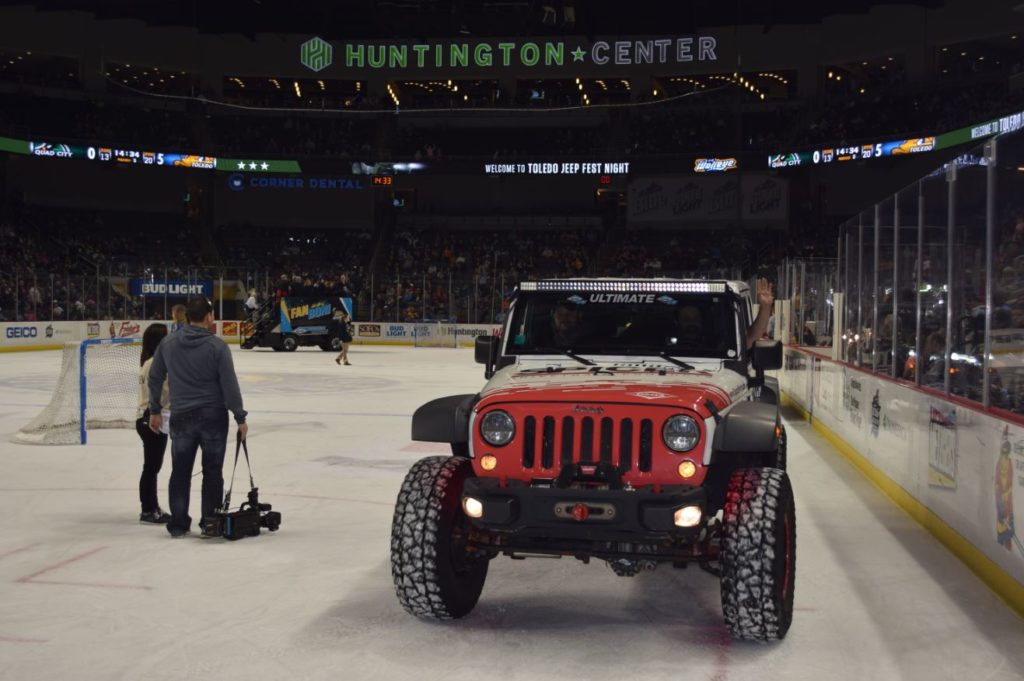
x,y
89,593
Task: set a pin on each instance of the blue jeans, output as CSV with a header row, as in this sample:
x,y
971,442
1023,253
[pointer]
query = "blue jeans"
x,y
205,429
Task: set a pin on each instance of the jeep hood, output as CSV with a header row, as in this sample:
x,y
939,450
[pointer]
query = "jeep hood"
x,y
670,387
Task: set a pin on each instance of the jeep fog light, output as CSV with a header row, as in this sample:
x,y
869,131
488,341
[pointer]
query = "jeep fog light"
x,y
687,516
497,428
475,509
488,462
680,433
687,469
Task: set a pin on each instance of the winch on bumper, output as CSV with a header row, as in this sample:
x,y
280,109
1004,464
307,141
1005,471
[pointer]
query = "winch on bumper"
x,y
584,513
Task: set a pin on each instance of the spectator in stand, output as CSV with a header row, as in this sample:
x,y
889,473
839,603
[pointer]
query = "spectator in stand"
x,y
177,318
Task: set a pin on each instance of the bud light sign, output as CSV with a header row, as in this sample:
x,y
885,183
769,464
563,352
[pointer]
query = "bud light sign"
x,y
172,288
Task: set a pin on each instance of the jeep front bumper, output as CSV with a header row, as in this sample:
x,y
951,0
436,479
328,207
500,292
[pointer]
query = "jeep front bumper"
x,y
609,515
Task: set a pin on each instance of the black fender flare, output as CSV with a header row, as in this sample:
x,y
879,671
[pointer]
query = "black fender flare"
x,y
445,419
749,427
770,391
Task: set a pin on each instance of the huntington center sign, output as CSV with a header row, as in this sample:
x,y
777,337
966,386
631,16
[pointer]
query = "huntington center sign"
x,y
317,54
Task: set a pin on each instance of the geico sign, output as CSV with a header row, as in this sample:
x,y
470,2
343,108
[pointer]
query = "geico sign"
x,y
22,332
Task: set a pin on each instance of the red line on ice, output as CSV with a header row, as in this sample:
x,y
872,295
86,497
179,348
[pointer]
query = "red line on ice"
x,y
60,564
17,639
17,550
31,579
93,584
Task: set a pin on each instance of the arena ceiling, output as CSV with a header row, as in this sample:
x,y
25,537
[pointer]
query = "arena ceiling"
x,y
443,18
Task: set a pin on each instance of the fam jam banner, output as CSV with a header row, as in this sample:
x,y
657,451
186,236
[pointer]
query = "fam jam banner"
x,y
708,198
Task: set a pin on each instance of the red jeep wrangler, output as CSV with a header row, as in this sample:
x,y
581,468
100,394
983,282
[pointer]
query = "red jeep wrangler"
x,y
623,420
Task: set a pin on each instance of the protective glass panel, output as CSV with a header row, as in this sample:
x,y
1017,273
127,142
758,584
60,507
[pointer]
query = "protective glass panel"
x,y
906,283
934,284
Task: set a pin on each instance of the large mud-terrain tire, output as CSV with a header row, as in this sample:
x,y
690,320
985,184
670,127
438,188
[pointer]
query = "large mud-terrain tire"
x,y
435,575
758,554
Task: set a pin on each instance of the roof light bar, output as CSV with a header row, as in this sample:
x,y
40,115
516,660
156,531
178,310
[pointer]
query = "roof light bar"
x,y
627,286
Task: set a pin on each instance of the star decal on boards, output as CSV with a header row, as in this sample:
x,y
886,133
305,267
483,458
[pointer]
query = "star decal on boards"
x,y
252,165
577,54
264,165
241,165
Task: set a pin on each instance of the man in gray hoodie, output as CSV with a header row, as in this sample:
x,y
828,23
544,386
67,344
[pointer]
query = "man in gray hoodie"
x,y
203,389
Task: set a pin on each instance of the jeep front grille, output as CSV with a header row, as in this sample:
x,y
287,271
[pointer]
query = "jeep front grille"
x,y
575,439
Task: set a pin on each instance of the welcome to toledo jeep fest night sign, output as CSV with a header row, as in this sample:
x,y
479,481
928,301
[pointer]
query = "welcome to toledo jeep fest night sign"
x,y
317,54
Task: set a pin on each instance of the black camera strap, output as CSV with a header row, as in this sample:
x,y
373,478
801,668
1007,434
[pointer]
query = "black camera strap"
x,y
240,445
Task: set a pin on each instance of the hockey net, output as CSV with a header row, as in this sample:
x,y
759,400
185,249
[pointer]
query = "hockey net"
x,y
98,387
435,335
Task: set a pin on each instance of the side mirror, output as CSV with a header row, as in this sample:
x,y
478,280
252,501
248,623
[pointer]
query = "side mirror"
x,y
766,355
486,352
483,349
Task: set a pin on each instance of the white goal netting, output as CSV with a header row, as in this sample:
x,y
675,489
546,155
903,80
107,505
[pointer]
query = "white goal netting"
x,y
99,380
435,335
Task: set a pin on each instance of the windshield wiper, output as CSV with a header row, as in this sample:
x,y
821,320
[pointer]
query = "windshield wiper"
x,y
567,352
669,358
582,360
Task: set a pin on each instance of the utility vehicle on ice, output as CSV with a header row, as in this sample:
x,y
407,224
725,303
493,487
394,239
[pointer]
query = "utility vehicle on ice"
x,y
623,420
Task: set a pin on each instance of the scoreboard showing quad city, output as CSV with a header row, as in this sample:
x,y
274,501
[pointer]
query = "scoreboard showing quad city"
x,y
856,152
122,155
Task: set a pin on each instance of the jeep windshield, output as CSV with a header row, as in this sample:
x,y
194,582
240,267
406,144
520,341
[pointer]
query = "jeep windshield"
x,y
633,323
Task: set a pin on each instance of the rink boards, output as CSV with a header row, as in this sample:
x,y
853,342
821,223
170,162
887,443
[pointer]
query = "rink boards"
x,y
956,468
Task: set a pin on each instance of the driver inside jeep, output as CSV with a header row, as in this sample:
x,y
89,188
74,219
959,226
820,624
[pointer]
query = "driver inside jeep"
x,y
566,326
690,325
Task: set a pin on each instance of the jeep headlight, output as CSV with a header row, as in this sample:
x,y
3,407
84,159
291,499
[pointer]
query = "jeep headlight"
x,y
497,428
681,433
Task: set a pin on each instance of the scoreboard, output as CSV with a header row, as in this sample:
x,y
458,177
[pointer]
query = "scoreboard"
x,y
119,155
150,158
840,154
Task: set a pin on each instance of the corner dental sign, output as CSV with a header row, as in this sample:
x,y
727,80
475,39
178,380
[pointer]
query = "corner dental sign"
x,y
317,54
